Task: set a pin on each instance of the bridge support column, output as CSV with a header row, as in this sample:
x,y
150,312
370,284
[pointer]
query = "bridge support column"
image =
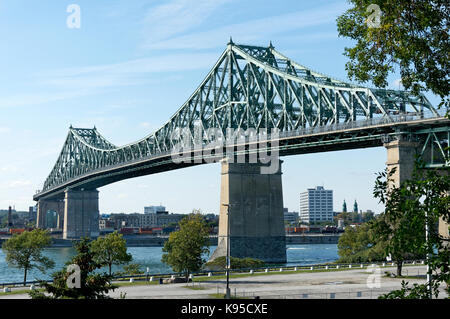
x,y
255,212
44,206
81,214
401,155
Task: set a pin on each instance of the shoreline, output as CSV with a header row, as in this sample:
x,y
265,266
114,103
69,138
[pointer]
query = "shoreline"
x,y
158,241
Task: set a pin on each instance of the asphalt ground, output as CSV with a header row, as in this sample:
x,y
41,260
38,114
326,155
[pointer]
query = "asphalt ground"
x,y
344,284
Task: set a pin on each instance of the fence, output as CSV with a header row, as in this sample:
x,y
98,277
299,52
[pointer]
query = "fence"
x,y
270,269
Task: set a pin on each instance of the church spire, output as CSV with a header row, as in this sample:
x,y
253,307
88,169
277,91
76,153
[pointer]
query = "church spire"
x,y
344,207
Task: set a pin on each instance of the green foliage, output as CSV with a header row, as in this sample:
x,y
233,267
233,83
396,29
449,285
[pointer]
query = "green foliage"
x,y
111,250
417,291
24,251
132,269
235,263
360,244
185,248
417,203
413,36
94,285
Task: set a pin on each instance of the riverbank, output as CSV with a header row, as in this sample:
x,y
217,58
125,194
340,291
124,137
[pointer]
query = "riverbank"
x,y
158,241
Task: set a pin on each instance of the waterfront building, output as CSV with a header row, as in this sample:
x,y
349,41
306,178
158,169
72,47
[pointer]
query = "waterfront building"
x,y
290,217
32,213
154,209
135,220
316,205
163,219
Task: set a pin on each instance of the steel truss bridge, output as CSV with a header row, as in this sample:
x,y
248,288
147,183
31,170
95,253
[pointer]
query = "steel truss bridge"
x,y
270,104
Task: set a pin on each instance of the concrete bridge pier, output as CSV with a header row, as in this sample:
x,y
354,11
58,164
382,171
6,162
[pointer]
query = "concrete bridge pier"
x,y
44,206
255,207
401,154
81,214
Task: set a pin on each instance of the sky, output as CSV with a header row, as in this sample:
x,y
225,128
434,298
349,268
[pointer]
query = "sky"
x,y
128,68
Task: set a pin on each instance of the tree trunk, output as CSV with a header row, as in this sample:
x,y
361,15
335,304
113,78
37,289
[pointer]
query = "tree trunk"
x,y
110,266
399,268
25,277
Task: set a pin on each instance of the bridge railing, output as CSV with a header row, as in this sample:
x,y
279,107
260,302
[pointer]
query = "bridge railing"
x,y
358,124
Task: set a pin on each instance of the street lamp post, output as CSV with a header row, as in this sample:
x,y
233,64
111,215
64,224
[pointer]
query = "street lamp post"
x,y
227,293
427,235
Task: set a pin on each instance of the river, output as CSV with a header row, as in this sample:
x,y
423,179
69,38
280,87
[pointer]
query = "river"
x,y
305,254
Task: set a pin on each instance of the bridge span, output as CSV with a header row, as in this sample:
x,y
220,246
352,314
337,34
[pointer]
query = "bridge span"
x,y
254,106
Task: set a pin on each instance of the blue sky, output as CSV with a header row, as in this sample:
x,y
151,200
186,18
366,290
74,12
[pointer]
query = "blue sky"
x,y
130,66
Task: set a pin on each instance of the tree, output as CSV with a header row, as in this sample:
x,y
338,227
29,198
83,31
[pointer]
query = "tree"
x,y
411,35
360,244
410,208
185,248
24,251
93,285
111,250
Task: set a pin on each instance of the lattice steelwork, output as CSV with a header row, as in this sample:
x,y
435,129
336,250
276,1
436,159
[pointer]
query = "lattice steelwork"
x,y
249,87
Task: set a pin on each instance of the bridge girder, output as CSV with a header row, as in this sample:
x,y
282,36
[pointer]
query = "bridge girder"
x,y
249,87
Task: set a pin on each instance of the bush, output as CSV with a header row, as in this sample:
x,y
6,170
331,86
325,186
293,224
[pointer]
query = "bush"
x,y
235,263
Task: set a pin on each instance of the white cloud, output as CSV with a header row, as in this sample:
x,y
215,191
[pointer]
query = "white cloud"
x,y
9,168
4,130
178,16
252,31
70,83
19,183
27,99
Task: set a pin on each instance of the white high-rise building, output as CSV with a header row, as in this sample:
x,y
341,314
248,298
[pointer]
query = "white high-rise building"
x,y
316,205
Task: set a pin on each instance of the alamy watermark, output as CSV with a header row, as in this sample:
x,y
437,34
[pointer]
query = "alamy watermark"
x,y
74,19
236,145
74,279
374,279
374,19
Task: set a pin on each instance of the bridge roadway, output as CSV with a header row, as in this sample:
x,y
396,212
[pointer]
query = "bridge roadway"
x,y
342,136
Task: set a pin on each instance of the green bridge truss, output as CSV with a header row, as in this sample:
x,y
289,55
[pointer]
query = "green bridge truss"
x,y
254,88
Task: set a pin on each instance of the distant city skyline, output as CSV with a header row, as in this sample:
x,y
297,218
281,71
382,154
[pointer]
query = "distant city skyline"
x,y
128,69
